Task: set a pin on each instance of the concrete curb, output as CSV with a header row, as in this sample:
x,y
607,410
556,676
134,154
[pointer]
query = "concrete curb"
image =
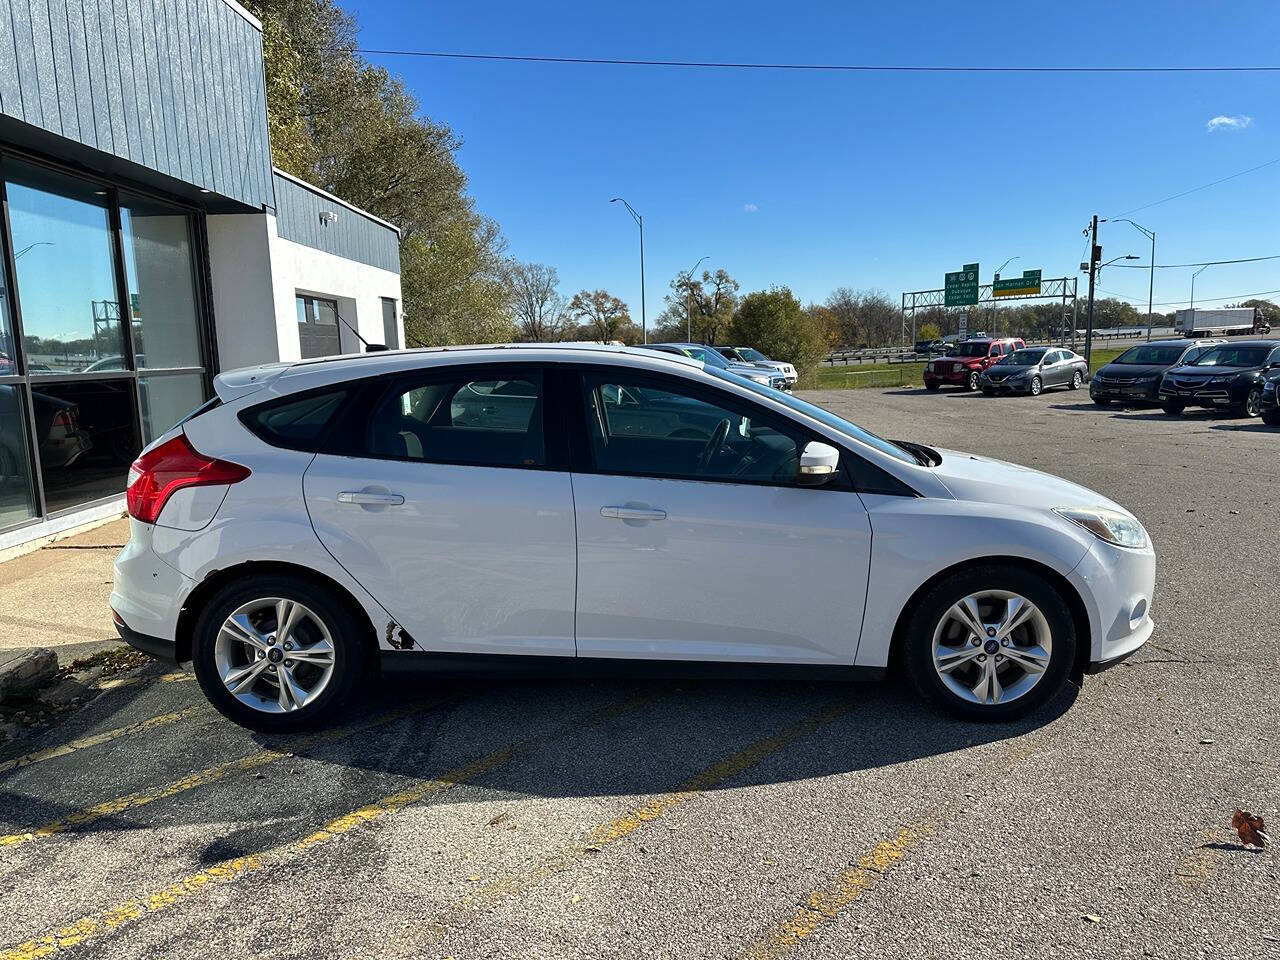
x,y
25,670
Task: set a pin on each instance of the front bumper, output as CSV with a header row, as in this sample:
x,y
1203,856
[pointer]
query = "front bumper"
x,y
1006,386
957,378
1148,392
1215,395
1117,586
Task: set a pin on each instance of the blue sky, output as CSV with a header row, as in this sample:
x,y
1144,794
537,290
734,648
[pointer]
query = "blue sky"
x,y
819,180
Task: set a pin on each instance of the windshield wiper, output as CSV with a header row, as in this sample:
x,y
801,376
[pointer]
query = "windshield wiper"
x,y
925,456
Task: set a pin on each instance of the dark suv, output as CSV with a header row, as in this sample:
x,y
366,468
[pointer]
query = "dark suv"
x,y
964,363
1226,377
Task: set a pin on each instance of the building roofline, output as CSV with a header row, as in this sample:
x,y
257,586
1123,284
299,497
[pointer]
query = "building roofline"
x,y
244,13
338,200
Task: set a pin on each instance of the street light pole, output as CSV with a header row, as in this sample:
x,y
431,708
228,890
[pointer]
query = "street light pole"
x,y
644,321
1151,282
688,302
1193,290
994,277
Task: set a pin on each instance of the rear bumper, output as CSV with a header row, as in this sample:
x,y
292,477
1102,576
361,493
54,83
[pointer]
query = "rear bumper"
x,y
157,647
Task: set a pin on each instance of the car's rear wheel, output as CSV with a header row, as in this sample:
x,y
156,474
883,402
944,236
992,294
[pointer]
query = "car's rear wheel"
x,y
1076,380
973,380
993,642
1037,385
276,653
1172,407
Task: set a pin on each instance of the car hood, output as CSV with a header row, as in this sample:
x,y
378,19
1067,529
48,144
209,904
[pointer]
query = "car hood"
x,y
750,369
1123,371
982,479
1198,371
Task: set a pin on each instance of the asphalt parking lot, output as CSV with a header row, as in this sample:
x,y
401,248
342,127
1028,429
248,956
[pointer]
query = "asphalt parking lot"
x,y
545,819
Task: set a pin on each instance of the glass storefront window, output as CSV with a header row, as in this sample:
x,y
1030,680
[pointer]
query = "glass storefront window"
x,y
17,492
86,450
64,252
162,291
166,400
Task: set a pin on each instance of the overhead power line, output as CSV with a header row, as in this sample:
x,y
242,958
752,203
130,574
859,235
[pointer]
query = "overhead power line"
x,y
828,67
1203,186
1203,263
1174,303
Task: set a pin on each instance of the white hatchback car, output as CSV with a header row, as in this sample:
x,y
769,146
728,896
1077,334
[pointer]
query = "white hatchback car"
x,y
498,508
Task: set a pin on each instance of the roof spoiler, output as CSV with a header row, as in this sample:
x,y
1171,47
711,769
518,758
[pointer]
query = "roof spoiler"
x,y
235,384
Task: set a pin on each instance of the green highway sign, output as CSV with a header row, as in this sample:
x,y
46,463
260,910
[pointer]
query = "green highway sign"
x,y
1025,285
961,287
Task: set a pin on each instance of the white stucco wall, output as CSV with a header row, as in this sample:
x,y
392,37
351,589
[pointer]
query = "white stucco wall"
x,y
357,287
257,275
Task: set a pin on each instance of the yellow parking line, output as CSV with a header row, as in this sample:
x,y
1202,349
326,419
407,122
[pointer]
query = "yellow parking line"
x,y
108,921
825,904
253,761
628,823
97,739
174,676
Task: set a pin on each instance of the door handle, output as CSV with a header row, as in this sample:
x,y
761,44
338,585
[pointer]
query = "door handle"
x,y
370,499
633,513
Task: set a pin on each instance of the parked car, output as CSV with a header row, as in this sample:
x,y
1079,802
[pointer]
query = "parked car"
x,y
1135,374
928,348
754,357
59,438
714,358
1225,377
1033,370
964,362
1270,404
321,520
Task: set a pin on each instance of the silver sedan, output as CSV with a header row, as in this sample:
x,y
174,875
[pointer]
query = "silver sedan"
x,y
1033,370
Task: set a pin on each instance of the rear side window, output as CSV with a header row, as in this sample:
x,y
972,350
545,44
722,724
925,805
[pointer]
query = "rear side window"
x,y
297,423
494,421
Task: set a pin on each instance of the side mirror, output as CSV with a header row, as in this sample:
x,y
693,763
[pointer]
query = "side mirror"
x,y
818,464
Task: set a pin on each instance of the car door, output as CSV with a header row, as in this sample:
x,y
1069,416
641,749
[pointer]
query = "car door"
x,y
695,542
1051,368
444,493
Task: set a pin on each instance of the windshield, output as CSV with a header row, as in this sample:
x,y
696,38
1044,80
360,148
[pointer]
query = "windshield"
x,y
1023,358
823,416
1152,353
755,356
971,349
1232,356
708,356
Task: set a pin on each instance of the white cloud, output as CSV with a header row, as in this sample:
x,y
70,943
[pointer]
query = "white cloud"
x,y
1223,122
749,208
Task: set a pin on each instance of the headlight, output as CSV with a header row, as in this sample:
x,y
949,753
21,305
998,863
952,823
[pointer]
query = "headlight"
x,y
929,365
1108,525
758,379
1225,378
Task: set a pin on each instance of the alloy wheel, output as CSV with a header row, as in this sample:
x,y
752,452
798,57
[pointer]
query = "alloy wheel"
x,y
1076,380
274,655
992,647
1253,403
1036,386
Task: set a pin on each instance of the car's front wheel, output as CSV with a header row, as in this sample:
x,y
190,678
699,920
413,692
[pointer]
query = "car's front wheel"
x,y
1037,385
1252,405
1102,401
973,380
993,642
1172,408
276,653
1271,418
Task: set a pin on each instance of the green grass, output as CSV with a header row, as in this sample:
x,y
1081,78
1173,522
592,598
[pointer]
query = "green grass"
x,y
855,376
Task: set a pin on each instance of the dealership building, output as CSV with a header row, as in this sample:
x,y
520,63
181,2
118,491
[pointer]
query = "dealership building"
x,y
147,243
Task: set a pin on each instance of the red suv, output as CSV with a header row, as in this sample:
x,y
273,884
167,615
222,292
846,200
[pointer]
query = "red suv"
x,y
965,362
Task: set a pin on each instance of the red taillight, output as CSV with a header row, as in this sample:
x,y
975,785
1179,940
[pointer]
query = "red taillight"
x,y
64,419
175,464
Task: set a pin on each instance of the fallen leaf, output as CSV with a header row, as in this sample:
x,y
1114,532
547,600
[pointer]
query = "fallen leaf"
x,y
575,898
1093,918
1251,828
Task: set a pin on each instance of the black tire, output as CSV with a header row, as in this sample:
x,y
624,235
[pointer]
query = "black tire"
x,y
988,392
1037,386
1271,418
1172,407
1252,404
350,652
930,609
1102,401
932,387
1076,380
972,382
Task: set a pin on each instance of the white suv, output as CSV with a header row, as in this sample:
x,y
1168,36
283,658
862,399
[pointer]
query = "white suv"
x,y
483,509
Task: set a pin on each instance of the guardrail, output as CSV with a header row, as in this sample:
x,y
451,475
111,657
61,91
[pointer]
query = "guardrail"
x,y
909,355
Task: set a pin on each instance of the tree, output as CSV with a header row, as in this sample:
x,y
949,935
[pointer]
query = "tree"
x,y
774,322
353,129
929,331
827,323
539,309
703,307
867,318
603,317
1270,312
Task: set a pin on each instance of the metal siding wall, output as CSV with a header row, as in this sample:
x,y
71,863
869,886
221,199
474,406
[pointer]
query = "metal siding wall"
x,y
353,236
173,85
